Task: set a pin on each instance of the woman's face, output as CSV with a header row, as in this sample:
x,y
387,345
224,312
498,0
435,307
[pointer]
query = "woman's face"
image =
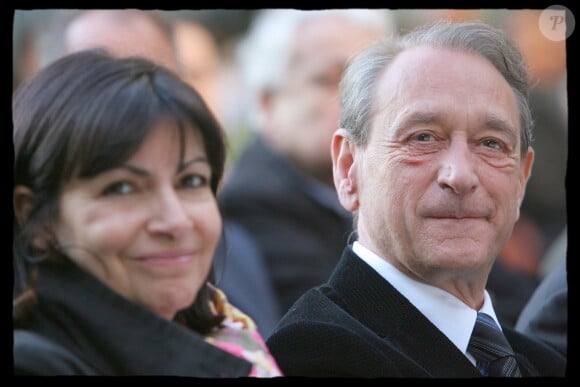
x,y
149,227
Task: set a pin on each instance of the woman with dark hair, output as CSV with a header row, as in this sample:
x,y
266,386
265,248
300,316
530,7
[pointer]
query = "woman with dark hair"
x,y
117,165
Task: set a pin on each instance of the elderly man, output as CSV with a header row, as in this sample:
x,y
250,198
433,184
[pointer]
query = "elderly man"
x,y
432,157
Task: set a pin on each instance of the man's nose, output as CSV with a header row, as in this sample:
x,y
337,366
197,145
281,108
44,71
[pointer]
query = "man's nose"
x,y
457,170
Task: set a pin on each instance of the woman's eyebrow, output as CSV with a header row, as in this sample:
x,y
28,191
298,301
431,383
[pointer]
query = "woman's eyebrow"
x,y
198,159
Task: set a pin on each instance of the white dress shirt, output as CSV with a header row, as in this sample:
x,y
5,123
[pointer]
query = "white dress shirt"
x,y
448,313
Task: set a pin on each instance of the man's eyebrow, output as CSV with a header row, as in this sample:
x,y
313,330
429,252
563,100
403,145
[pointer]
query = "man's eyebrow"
x,y
501,125
409,117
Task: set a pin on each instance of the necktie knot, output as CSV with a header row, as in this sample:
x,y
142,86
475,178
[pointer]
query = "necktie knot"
x,y
491,349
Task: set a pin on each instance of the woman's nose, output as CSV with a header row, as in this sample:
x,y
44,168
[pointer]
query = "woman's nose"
x,y
169,215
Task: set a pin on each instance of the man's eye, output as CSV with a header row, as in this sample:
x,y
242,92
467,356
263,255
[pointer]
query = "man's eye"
x,y
119,188
493,144
424,137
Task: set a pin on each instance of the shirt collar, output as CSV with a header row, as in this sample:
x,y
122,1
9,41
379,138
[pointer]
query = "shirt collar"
x,y
449,314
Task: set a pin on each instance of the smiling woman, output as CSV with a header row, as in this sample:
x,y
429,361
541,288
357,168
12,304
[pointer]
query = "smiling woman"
x,y
117,164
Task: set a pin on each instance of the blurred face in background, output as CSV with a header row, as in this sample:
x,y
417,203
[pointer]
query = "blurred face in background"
x,y
124,33
199,62
302,115
149,227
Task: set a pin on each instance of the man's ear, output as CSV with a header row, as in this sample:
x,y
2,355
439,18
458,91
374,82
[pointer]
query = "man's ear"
x,y
22,202
343,165
525,174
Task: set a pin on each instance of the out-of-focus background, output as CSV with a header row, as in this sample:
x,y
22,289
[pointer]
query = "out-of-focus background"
x,y
539,238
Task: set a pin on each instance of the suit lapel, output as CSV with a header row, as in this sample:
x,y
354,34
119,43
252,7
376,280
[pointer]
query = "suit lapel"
x,y
385,311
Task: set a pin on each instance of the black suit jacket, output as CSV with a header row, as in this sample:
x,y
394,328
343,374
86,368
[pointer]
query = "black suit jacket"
x,y
300,238
359,325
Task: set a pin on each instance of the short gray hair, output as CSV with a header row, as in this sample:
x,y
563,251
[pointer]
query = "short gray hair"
x,y
359,83
265,52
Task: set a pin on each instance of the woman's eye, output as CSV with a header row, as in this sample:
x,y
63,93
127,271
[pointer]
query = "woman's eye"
x,y
119,188
194,181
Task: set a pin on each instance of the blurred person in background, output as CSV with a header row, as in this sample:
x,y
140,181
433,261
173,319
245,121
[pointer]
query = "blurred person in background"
x,y
125,32
545,315
116,172
525,261
226,27
281,187
24,53
198,58
545,202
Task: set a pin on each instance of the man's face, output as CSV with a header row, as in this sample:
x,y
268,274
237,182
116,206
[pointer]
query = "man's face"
x,y
304,113
441,180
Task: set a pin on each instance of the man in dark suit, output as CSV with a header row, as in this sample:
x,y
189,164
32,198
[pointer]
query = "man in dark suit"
x,y
432,158
281,187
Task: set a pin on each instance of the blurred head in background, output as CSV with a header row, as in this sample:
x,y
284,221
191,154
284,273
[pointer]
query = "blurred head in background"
x,y
292,62
199,61
123,32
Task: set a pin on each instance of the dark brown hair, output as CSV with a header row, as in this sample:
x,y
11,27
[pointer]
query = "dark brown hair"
x,y
89,112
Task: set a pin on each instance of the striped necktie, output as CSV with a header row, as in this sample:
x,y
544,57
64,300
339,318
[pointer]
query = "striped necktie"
x,y
491,349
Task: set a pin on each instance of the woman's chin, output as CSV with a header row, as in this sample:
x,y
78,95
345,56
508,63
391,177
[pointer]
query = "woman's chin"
x,y
168,303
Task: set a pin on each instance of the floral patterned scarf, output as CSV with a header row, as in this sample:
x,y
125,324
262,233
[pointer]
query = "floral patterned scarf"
x,y
238,335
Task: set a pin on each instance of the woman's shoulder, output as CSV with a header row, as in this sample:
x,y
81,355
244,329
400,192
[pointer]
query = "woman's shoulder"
x,y
36,354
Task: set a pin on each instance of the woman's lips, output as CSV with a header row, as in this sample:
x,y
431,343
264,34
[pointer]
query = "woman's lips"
x,y
168,258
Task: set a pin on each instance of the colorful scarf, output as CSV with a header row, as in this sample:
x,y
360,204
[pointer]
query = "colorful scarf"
x,y
238,335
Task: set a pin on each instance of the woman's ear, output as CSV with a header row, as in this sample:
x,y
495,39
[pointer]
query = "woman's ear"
x,y
23,203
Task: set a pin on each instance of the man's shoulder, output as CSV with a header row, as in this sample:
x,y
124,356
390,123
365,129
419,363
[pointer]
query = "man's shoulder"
x,y
319,337
321,306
